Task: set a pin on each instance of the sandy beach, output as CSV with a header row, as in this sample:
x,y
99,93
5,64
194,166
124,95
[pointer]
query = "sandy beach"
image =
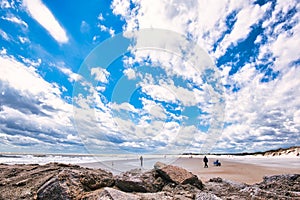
x,y
248,170
239,170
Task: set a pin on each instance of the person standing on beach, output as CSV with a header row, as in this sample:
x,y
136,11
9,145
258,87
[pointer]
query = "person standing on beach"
x,y
141,159
205,160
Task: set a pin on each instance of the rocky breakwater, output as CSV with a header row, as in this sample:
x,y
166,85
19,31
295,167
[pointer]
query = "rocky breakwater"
x,y
60,181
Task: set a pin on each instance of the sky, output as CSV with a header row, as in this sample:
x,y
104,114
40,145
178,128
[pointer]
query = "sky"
x,y
151,77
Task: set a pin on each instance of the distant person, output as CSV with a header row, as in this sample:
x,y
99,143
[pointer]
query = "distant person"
x,y
217,163
205,160
141,159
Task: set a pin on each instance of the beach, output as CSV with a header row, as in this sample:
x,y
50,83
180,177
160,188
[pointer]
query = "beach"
x,y
123,177
243,169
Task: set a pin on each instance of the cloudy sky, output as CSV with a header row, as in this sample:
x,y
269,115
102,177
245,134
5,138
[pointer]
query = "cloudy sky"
x,y
140,76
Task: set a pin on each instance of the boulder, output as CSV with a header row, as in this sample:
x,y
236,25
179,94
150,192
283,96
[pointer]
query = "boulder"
x,y
137,181
177,175
71,183
53,189
95,179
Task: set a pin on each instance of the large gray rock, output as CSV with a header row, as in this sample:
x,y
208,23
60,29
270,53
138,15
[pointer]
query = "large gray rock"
x,y
177,175
137,181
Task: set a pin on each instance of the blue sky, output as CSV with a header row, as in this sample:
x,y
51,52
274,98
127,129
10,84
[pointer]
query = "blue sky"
x,y
76,78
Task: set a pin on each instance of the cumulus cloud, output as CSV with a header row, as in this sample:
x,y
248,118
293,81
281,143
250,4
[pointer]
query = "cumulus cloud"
x,y
259,114
100,74
130,73
32,112
173,100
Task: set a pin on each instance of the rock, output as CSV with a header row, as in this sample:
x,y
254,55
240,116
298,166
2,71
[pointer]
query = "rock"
x,y
72,183
136,181
53,189
95,179
272,187
157,195
60,181
281,178
177,175
113,194
206,196
216,180
185,192
286,185
50,181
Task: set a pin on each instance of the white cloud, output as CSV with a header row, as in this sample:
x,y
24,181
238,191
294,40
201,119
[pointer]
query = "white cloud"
x,y
84,27
130,73
282,44
102,27
72,76
17,75
124,106
159,93
16,20
95,38
121,7
3,51
100,74
100,17
5,4
262,113
110,30
31,63
259,115
46,19
32,108
246,18
24,40
5,36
